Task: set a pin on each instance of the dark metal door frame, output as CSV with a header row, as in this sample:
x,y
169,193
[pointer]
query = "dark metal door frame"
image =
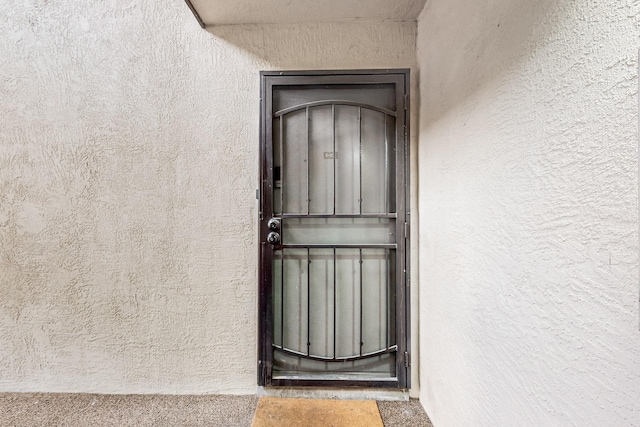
x,y
269,80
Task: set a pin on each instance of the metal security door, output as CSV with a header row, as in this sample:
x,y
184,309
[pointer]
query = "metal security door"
x,y
333,229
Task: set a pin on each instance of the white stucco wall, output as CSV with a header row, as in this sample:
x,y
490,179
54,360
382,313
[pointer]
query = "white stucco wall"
x,y
528,186
128,168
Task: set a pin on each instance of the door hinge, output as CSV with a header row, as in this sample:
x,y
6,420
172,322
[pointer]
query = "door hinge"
x,y
407,359
406,100
406,230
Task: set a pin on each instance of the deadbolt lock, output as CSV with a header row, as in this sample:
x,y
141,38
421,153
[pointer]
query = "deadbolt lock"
x,y
273,224
273,238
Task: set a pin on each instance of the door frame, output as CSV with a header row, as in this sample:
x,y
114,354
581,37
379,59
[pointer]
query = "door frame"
x,y
269,79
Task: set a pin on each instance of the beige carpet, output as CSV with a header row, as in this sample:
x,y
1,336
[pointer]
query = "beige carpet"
x,y
279,411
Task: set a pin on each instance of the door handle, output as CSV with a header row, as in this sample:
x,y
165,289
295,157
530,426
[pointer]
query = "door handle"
x,y
273,238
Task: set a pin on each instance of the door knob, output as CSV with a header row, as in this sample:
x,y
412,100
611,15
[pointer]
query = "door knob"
x,y
273,238
273,224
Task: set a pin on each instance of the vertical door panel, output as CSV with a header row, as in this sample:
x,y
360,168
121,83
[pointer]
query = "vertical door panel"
x,y
377,279
347,303
294,301
375,162
321,308
321,163
347,159
293,166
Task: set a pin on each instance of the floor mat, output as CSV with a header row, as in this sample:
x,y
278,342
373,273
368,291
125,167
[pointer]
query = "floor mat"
x,y
280,411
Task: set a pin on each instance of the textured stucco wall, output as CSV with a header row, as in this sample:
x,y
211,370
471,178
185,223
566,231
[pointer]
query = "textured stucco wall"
x,y
528,187
128,168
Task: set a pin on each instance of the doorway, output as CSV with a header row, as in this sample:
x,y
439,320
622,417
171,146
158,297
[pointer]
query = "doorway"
x,y
333,229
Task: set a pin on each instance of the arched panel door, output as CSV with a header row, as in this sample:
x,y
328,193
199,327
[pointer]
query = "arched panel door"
x,y
333,233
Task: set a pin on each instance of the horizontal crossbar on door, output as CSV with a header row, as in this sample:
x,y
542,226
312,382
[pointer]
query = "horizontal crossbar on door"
x,y
381,215
338,246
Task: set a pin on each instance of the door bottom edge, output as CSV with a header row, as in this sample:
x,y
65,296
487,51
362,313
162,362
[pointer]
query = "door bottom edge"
x,y
384,394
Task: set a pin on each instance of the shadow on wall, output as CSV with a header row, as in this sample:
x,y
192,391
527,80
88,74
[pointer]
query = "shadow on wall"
x,y
324,45
483,42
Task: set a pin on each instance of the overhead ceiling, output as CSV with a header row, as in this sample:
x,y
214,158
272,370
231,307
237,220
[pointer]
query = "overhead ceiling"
x,y
225,12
